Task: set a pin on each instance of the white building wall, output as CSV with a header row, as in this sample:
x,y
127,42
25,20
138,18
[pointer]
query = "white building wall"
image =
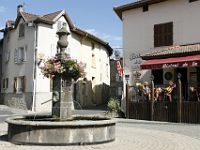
x,y
138,28
79,48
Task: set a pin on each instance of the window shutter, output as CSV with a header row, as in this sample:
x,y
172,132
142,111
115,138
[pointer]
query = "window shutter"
x,y
25,53
163,34
15,85
20,54
16,56
3,83
6,82
23,84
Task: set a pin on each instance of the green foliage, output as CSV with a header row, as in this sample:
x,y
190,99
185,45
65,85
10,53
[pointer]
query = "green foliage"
x,y
114,105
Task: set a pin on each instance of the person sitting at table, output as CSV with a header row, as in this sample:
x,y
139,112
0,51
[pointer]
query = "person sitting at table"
x,y
195,93
158,94
168,90
146,91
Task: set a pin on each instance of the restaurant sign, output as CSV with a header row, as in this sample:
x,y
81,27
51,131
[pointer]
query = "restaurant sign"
x,y
180,64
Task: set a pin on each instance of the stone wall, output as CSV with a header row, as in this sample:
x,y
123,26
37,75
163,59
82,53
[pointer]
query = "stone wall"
x,y
20,101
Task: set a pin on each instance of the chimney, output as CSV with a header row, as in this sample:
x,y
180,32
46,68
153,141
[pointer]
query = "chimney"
x,y
20,8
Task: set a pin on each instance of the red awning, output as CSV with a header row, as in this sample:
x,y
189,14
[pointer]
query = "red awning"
x,y
173,62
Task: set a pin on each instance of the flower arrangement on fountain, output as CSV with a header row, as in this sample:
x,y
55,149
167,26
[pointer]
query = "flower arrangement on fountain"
x,y
67,68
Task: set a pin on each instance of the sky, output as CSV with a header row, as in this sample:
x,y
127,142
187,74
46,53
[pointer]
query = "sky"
x,y
94,16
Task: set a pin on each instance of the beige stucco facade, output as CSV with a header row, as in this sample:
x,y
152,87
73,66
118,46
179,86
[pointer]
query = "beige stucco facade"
x,y
138,33
138,29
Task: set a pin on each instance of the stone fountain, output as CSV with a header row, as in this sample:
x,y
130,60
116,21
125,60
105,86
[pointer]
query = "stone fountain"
x,y
61,128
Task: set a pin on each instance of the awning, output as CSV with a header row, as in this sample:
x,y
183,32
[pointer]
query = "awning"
x,y
173,62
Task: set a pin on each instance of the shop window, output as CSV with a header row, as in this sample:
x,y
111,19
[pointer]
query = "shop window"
x,y
163,34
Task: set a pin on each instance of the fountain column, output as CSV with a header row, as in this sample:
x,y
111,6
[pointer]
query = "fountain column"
x,y
62,87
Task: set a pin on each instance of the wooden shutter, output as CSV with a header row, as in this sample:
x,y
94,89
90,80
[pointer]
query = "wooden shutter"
x,y
15,85
163,34
23,84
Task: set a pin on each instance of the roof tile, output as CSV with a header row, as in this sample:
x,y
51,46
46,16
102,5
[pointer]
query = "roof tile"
x,y
172,51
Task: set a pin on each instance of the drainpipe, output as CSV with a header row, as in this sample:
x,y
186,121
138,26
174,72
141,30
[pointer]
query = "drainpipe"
x,y
35,67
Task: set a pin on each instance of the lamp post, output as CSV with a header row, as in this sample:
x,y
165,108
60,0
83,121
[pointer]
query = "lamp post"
x,y
127,96
179,102
152,97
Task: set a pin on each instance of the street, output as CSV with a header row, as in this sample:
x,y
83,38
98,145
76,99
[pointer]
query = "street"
x,y
130,134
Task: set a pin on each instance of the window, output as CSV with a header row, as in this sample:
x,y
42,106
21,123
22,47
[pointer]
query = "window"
x,y
5,83
92,46
64,24
107,70
19,84
20,55
59,25
7,55
192,1
163,34
93,61
145,8
21,30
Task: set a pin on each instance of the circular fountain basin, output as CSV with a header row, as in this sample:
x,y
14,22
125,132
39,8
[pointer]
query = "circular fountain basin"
x,y
44,130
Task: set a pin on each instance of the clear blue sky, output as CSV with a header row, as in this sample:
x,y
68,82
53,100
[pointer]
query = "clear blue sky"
x,y
95,16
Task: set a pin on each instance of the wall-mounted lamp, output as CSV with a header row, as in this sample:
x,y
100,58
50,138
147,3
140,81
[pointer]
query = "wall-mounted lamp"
x,y
40,59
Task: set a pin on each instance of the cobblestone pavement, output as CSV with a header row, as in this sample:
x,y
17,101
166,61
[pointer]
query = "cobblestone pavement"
x,y
128,138
130,135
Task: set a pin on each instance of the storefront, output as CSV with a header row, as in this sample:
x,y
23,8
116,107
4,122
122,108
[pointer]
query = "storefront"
x,y
166,63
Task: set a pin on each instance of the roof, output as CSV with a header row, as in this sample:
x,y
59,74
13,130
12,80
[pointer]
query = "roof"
x,y
118,10
51,19
84,33
173,51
